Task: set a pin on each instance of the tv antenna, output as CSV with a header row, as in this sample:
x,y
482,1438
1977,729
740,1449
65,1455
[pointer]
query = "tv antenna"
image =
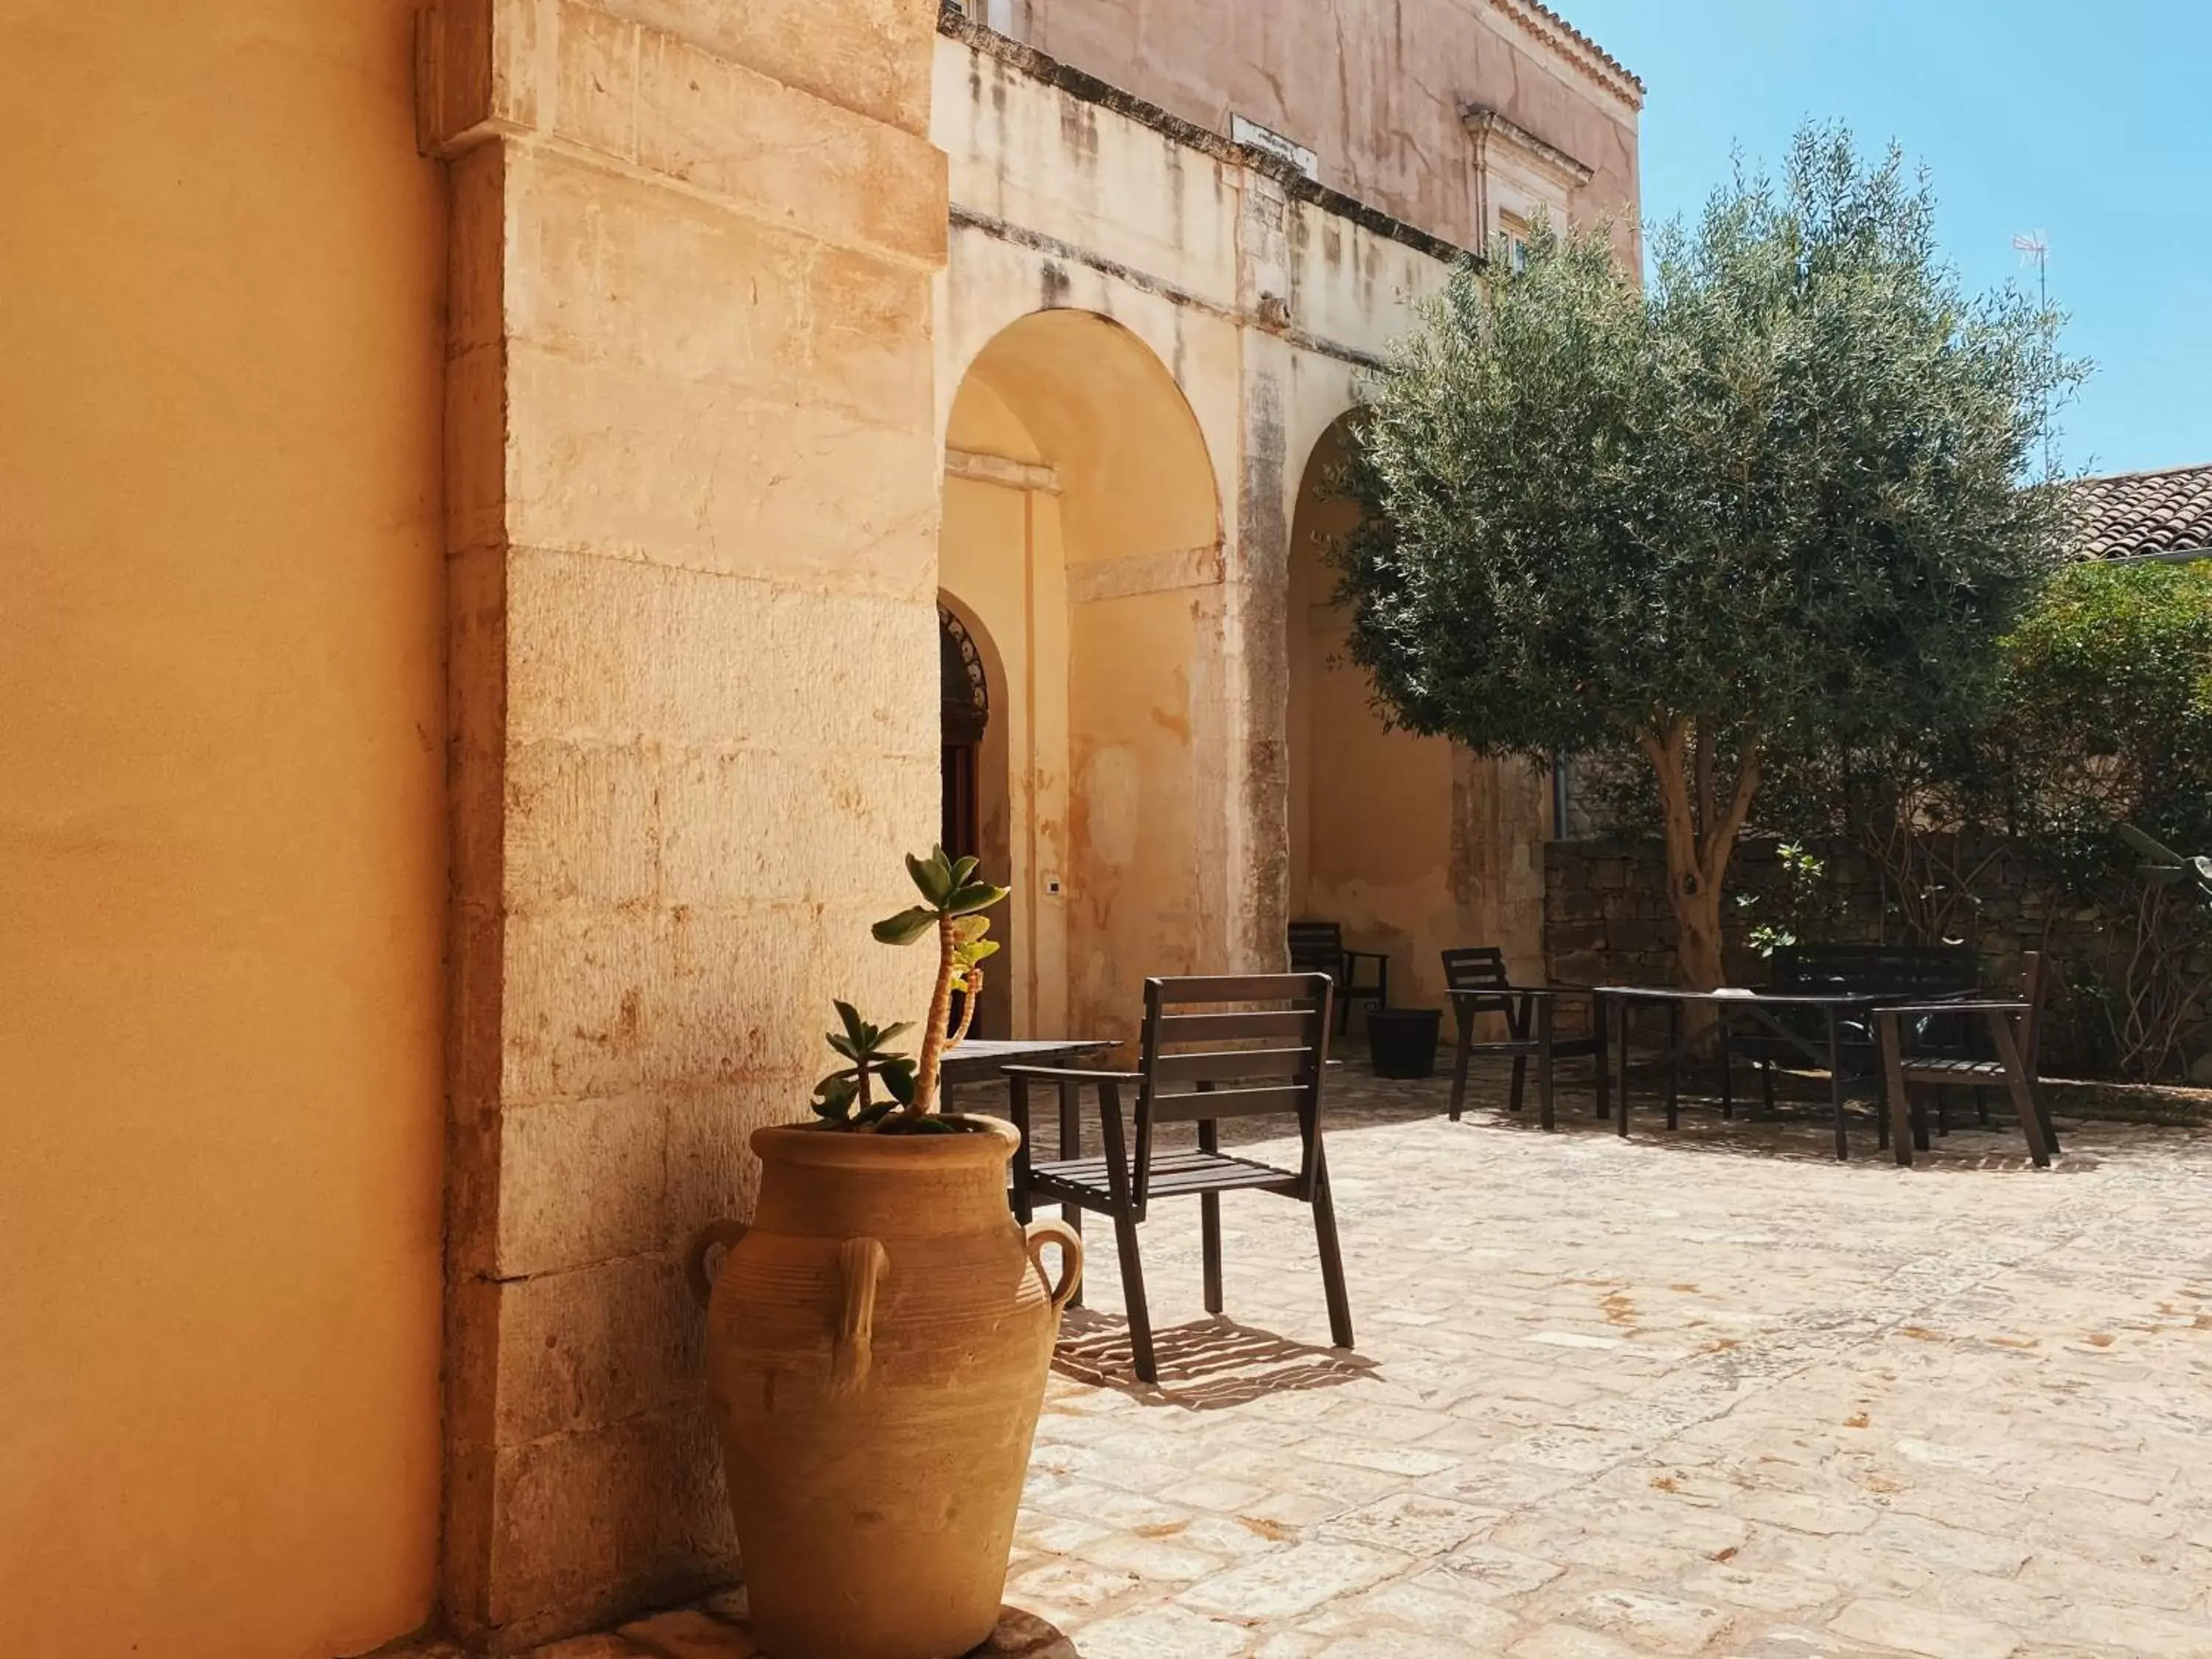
x,y
2034,249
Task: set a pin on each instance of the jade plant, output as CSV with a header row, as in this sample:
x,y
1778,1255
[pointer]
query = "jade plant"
x,y
880,1089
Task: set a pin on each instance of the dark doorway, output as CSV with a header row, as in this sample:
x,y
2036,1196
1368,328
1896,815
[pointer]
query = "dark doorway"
x,y
966,694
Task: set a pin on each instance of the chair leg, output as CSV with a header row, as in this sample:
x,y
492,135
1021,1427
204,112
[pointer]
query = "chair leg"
x,y
1601,1021
1981,1106
1516,1027
2024,1103
1728,1068
1766,1087
1209,1232
1132,1294
1544,1079
1460,1063
1332,1262
1943,1109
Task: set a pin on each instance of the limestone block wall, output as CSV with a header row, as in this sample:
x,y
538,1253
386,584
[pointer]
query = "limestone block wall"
x,y
693,504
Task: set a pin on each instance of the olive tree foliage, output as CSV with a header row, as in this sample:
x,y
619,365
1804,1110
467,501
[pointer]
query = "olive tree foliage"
x,y
1782,499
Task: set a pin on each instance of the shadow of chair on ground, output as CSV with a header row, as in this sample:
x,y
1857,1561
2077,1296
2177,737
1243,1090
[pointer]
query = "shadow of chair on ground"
x,y
1204,1366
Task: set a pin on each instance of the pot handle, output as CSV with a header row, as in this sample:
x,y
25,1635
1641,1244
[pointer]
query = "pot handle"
x,y
1041,1233
694,1259
860,1265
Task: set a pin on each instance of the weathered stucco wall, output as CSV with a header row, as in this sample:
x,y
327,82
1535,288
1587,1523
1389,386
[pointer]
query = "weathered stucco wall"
x,y
693,520
1231,305
1413,845
222,831
1374,87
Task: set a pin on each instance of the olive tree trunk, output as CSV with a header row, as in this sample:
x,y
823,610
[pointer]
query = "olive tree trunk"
x,y
1700,826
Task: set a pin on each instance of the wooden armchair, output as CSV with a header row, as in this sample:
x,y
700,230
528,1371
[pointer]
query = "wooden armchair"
x,y
1924,974
2013,1030
1475,979
1225,1047
1317,947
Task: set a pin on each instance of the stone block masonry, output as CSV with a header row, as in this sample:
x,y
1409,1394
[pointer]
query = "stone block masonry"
x,y
1606,919
692,507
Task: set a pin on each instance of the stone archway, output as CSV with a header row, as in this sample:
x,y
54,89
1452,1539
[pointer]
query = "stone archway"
x,y
1082,532
1412,844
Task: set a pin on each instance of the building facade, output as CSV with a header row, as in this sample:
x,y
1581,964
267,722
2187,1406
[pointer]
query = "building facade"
x,y
495,490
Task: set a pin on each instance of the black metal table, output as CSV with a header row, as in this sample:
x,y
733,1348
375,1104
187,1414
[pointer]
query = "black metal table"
x,y
980,1059
1614,1002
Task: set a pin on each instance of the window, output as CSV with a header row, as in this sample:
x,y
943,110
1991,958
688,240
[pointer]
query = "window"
x,y
1514,230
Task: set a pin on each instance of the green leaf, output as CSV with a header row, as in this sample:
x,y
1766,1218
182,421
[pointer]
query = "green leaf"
x,y
899,1082
976,895
906,927
933,876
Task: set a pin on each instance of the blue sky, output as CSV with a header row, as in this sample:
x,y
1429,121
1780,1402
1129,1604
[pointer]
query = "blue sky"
x,y
2091,124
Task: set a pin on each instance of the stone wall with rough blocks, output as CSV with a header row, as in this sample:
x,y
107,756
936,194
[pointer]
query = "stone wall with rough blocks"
x,y
693,502
1607,920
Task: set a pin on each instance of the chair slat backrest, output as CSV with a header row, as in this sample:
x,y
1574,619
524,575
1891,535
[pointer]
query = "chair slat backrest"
x,y
1238,1045
1478,968
1317,947
1911,971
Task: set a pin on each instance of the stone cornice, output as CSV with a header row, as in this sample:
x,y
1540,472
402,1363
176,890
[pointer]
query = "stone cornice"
x,y
1487,127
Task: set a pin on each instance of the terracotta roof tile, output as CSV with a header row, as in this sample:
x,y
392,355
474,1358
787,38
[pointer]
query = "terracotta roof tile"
x,y
2164,511
1540,19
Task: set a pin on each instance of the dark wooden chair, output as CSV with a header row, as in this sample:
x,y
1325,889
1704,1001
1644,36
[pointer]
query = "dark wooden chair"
x,y
1475,979
1910,973
1317,947
2013,1029
1226,1047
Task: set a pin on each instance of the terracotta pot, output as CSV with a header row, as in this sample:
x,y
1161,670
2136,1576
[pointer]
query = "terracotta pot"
x,y
877,1342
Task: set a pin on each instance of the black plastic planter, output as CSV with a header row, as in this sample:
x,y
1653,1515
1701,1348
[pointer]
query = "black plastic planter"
x,y
1402,1042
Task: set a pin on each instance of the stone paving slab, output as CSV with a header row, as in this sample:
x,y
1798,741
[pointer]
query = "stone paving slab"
x,y
1702,1393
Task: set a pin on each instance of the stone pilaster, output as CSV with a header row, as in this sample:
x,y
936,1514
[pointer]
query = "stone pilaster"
x,y
1256,590
692,488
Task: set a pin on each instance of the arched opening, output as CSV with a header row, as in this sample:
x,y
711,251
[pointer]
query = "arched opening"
x,y
1411,844
974,820
1082,541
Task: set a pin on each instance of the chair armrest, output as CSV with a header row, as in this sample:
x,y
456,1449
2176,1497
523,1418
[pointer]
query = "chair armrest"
x,y
1069,1074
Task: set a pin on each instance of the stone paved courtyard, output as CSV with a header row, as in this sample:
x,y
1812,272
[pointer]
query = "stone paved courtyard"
x,y
1705,1394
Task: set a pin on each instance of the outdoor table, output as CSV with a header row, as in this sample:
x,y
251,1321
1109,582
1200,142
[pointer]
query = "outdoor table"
x,y
979,1060
1615,1000
1541,1044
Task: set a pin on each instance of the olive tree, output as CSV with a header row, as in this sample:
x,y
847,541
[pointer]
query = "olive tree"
x,y
1780,500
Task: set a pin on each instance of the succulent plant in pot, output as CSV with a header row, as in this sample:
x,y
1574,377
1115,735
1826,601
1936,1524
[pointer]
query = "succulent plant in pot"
x,y
877,1336
951,915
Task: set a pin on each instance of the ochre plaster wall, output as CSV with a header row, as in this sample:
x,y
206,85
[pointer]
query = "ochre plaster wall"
x,y
1001,557
1413,845
221,832
1103,587
693,512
